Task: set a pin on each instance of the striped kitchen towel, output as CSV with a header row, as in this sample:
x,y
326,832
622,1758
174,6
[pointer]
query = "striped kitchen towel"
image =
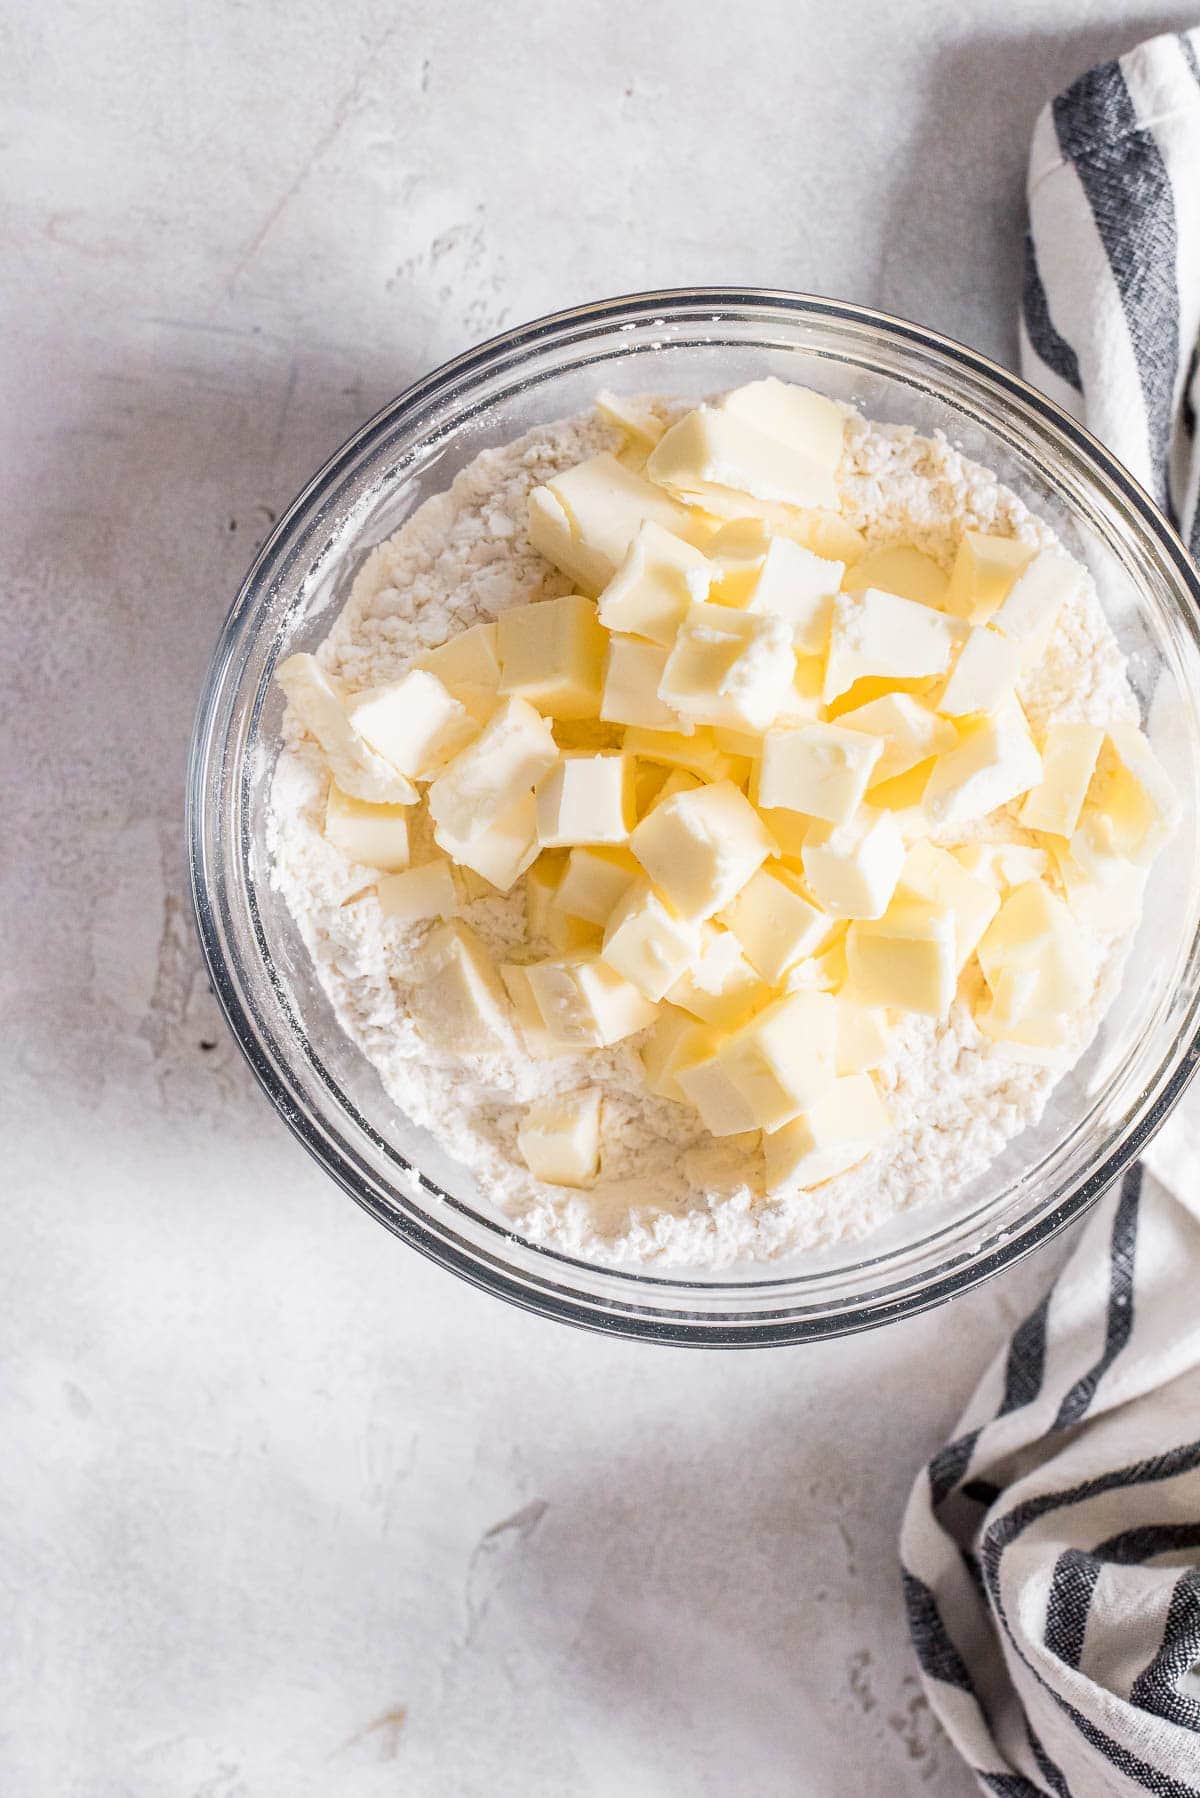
x,y
1051,1550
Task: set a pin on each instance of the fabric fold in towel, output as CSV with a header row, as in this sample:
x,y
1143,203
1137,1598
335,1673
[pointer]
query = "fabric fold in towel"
x,y
1051,1550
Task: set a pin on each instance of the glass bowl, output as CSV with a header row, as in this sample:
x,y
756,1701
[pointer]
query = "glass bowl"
x,y
691,343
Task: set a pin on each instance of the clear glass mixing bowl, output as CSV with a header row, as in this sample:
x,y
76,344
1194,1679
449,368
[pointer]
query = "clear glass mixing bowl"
x,y
691,343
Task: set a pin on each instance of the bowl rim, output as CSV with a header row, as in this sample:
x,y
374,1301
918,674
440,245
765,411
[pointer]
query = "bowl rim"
x,y
482,1269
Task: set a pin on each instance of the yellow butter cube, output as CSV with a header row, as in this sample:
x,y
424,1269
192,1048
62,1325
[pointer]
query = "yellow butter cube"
x,y
993,762
647,943
414,723
552,654
559,1138
459,1003
1030,609
1003,865
984,673
879,634
677,781
985,567
934,875
360,771
822,770
794,584
907,959
469,659
487,778
737,553
659,578
789,830
791,414
696,754
1134,793
429,891
834,1135
776,922
502,850
586,1004
635,419
594,881
586,799
701,848
864,1034
1034,942
376,835
1069,753
711,456
584,519
649,779
728,667
747,745
720,987
908,730
674,1041
1104,891
527,1015
903,570
852,868
764,1074
633,670
541,884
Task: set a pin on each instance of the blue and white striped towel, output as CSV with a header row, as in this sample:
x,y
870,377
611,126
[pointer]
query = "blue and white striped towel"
x,y
1051,1550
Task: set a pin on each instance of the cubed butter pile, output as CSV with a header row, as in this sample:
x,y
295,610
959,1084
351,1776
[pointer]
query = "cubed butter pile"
x,y
772,853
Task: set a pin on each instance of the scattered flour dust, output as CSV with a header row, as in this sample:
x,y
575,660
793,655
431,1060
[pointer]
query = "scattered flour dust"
x,y
668,1192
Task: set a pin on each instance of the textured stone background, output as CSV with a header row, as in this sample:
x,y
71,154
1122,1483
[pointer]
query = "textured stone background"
x,y
283,1509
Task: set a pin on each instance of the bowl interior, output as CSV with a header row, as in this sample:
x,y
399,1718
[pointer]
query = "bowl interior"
x,y
687,346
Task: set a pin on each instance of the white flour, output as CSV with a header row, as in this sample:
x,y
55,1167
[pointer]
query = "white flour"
x,y
668,1191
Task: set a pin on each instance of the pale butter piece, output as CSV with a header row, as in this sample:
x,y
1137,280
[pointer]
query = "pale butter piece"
x,y
794,584
1105,892
822,770
909,731
985,672
413,723
659,578
375,835
1069,753
791,414
487,778
632,673
728,667
678,780
711,455
458,1003
776,922
934,875
770,1070
559,1138
585,1003
788,829
674,1041
700,848
469,659
721,988
801,702
541,887
416,894
695,754
585,518
641,426
1004,865
594,882
357,768
736,553
647,943
1030,610
586,799
552,654
502,850
985,567
834,1135
877,633
864,1034
1132,789
906,960
527,1015
852,868
746,745
649,779
903,570
993,762
1033,962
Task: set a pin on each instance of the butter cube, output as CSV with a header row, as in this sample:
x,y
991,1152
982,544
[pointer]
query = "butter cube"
x,y
746,745
1030,610
541,886
647,943
720,987
791,414
585,518
552,654
935,876
984,674
696,754
677,781
535,1038
416,894
902,570
822,973
607,1007
376,835
737,553
632,673
414,723
822,770
907,959
1105,892
701,848
1069,753
512,751
799,587
674,1041
877,633
864,1034
659,578
776,923
559,1138
502,850
586,799
909,732
569,936
711,457
764,1074
649,779
1133,791
852,868
834,1135
728,667
360,771
1004,865
636,421
789,830
469,659
993,762
1035,937
801,702
459,1002
594,882
985,567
